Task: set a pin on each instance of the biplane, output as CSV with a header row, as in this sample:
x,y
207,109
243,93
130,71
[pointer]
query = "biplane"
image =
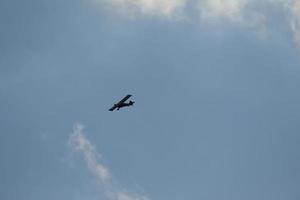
x,y
122,103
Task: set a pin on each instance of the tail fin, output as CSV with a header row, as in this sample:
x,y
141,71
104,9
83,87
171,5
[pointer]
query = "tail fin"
x,y
131,103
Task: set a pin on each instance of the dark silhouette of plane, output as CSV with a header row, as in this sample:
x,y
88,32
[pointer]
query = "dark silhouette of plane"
x,y
122,103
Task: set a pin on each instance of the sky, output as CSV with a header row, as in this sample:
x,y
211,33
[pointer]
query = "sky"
x,y
216,90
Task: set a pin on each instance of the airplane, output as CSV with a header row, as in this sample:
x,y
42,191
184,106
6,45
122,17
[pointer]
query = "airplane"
x,y
122,103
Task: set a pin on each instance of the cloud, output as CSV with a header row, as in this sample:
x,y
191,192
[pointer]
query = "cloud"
x,y
220,9
92,158
249,13
244,13
291,10
163,8
294,9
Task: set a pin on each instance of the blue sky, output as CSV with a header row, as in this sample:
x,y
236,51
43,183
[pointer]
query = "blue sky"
x,y
215,84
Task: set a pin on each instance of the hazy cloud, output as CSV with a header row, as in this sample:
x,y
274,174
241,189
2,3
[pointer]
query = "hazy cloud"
x,y
245,13
220,9
163,8
235,12
81,144
294,8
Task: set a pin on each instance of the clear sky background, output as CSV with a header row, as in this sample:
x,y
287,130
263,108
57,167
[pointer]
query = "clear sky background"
x,y
216,85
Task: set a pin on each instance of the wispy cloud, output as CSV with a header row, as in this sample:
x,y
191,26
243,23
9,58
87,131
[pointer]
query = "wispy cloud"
x,y
171,9
220,9
92,158
291,9
294,8
240,13
244,13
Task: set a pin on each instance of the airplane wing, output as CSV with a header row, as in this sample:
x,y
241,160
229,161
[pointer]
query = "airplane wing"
x,y
112,108
125,98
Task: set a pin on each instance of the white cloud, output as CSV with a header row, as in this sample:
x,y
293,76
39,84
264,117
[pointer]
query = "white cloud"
x,y
239,12
247,13
295,20
162,8
244,13
220,9
291,9
80,143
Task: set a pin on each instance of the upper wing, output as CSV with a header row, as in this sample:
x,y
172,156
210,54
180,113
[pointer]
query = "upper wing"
x,y
125,98
112,108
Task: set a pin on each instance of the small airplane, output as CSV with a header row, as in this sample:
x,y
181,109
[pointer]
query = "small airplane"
x,y
122,103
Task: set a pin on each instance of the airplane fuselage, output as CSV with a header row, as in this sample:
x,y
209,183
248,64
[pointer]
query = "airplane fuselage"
x,y
121,105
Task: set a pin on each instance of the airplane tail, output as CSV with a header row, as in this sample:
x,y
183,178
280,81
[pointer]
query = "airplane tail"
x,y
131,103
